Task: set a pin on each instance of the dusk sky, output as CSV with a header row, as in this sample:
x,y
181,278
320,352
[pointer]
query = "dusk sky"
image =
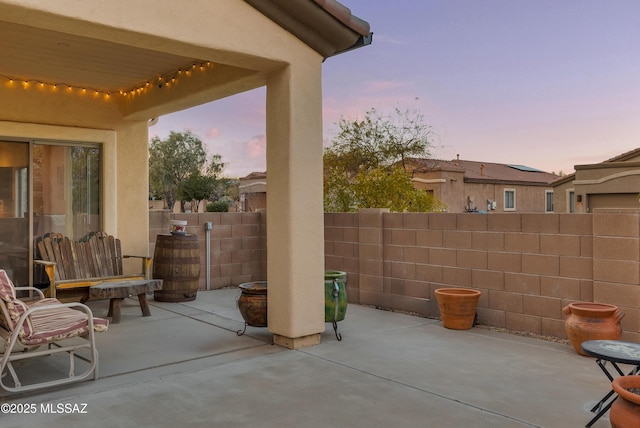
x,y
545,83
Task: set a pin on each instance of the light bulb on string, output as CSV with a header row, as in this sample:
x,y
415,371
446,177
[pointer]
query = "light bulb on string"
x,y
161,80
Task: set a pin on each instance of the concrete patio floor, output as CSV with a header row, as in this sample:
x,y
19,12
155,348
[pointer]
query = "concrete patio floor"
x,y
186,366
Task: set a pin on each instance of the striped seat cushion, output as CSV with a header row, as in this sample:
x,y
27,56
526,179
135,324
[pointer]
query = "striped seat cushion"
x,y
47,325
55,324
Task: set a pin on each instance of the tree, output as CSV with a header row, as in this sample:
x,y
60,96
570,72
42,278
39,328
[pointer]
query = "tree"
x,y
378,141
366,165
178,168
196,187
392,188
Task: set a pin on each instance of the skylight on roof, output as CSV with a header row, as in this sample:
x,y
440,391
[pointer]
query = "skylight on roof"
x,y
524,168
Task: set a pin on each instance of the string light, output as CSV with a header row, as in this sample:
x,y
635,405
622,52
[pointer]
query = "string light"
x,y
162,81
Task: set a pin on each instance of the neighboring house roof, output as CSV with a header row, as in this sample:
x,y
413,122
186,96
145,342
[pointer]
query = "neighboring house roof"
x,y
326,26
254,176
564,179
475,171
624,157
255,182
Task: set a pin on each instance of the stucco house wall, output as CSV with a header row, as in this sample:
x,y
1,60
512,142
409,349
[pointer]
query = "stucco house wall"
x,y
609,184
561,190
234,47
253,192
467,185
455,192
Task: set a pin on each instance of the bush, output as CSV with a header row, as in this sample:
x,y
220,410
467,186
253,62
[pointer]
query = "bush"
x,y
217,207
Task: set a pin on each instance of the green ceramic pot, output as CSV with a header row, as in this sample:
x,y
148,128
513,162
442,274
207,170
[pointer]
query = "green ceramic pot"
x,y
335,295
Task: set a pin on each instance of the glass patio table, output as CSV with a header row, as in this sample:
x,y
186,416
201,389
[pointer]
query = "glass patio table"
x,y
614,352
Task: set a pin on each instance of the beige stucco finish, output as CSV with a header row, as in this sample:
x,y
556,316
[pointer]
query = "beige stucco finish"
x,y
294,201
247,50
609,184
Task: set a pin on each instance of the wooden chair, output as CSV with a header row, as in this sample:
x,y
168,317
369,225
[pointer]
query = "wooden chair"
x,y
43,327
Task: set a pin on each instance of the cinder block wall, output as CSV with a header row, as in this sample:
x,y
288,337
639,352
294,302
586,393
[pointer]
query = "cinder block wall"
x,y
528,266
616,273
238,247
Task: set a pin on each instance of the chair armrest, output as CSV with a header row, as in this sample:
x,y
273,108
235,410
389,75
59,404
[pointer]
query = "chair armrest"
x,y
37,290
146,263
45,262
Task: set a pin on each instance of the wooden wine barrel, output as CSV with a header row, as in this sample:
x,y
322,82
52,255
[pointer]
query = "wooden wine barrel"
x,y
176,260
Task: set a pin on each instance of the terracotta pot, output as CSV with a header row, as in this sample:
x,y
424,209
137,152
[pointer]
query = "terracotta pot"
x,y
457,307
252,303
625,411
591,321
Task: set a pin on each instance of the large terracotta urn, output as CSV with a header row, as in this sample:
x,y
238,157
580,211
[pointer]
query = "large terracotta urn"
x,y
591,321
625,411
252,303
457,307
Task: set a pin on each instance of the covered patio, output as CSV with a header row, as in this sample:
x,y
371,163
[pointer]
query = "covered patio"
x,y
185,365
93,76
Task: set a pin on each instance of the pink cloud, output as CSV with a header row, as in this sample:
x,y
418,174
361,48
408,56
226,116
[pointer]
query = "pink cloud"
x,y
257,146
244,157
213,133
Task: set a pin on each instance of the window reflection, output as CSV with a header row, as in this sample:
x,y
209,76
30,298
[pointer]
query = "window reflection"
x,y
14,222
64,197
66,190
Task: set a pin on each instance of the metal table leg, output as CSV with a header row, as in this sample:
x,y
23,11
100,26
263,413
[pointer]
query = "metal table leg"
x,y
599,406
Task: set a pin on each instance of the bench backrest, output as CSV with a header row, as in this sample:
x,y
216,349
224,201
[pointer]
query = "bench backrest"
x,y
98,256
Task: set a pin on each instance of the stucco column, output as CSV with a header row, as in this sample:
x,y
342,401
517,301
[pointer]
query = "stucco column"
x,y
295,220
132,181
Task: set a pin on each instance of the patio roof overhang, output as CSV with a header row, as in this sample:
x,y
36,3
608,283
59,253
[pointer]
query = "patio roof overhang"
x,y
325,25
39,51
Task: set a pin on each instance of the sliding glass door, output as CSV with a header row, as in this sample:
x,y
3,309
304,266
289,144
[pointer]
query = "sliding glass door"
x,y
66,189
57,191
14,207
